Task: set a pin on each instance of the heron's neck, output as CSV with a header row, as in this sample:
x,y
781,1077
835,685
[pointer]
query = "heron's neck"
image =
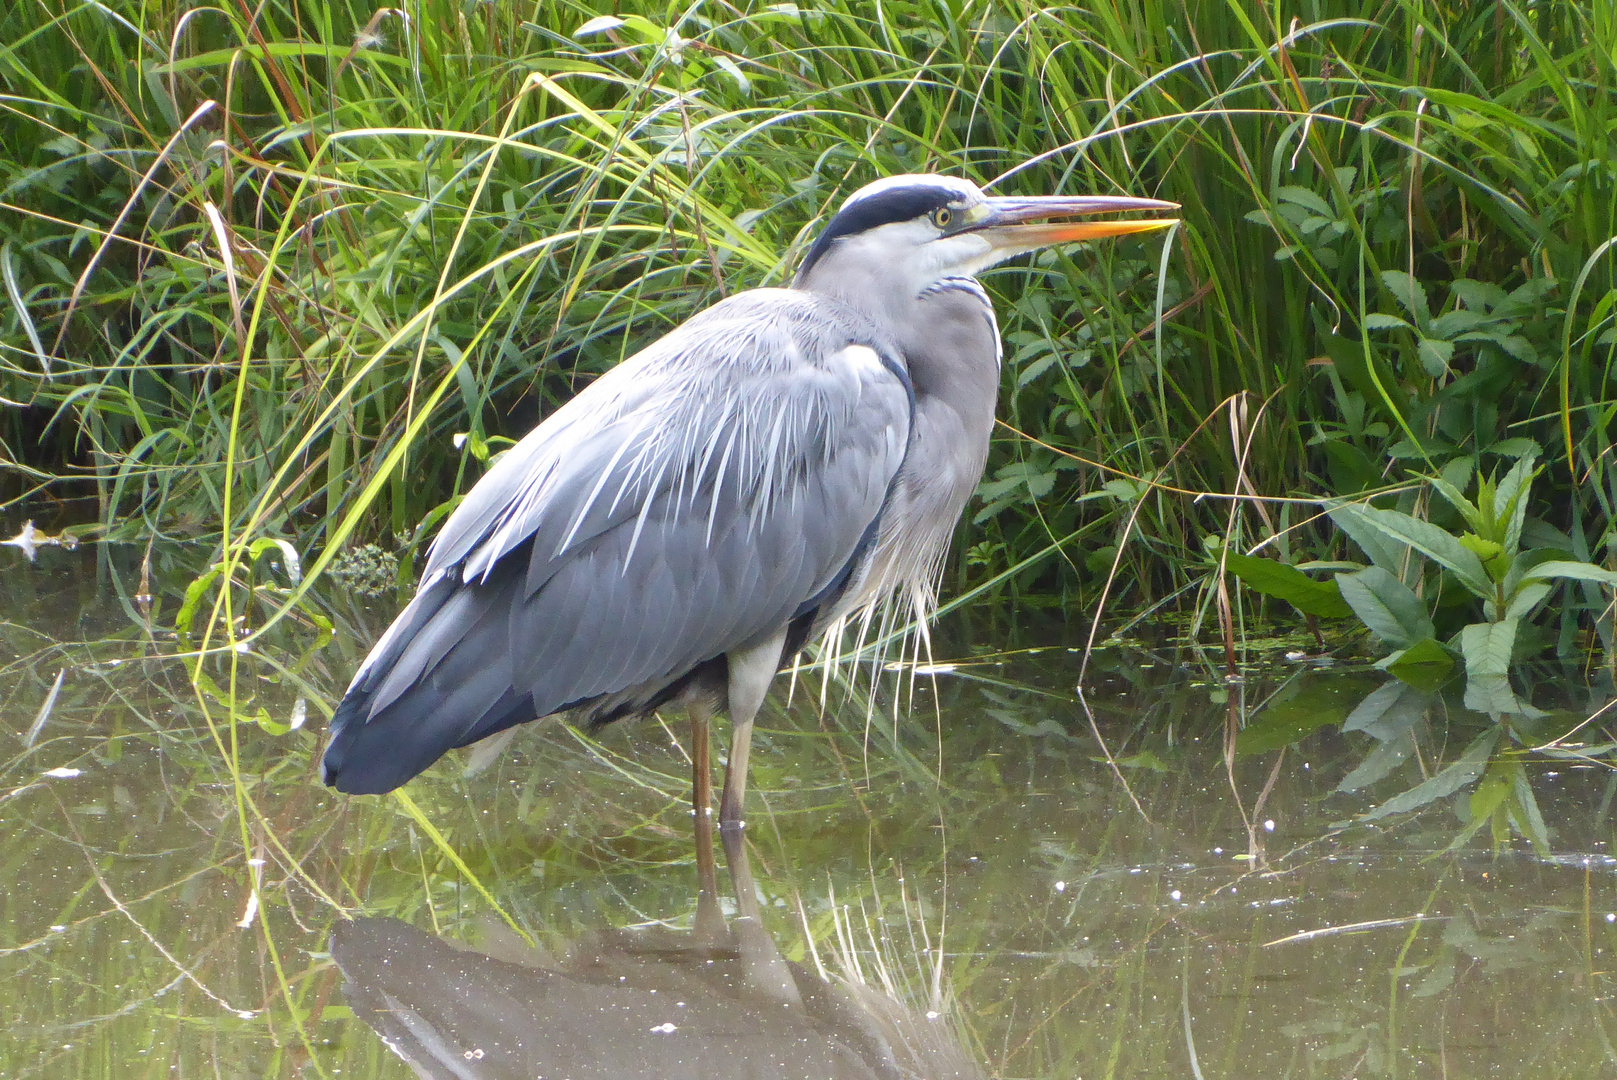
x,y
889,303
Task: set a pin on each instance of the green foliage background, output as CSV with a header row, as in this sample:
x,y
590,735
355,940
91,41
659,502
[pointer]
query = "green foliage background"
x,y
266,264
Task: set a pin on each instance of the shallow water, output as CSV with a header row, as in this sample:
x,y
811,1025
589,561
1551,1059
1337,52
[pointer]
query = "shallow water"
x,y
1022,909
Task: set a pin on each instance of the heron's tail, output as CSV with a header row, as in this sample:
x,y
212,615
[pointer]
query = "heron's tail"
x,y
436,680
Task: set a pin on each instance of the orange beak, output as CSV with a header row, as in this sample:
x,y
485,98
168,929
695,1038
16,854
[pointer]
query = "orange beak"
x,y
1016,225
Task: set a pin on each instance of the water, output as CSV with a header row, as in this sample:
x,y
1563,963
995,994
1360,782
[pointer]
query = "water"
x,y
1018,912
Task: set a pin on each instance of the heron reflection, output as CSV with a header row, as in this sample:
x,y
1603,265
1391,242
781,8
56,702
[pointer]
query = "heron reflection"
x,y
719,1000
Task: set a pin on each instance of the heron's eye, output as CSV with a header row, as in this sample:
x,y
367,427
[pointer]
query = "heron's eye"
x,y
942,216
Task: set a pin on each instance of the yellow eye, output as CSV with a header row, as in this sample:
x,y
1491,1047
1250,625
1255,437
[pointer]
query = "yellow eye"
x,y
942,216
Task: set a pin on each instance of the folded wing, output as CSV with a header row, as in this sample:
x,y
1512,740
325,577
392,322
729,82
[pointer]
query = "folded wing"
x,y
699,496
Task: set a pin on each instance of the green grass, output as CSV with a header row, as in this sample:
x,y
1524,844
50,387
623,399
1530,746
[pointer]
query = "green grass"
x,y
1394,253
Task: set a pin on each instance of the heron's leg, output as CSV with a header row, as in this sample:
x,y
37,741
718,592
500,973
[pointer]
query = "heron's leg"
x,y
763,968
751,671
709,920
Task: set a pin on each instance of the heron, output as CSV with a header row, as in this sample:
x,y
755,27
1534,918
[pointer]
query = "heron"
x,y
784,460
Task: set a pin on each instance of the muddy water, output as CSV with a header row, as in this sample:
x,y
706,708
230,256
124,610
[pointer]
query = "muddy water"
x,y
953,882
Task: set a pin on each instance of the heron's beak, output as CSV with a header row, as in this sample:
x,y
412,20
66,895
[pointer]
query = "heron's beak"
x,y
1017,225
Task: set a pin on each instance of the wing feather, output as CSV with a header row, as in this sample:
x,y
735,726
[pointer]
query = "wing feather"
x,y
689,501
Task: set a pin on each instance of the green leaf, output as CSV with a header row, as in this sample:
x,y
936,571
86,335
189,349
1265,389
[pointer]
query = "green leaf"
x,y
1377,321
1424,666
1518,447
1371,541
1510,502
1301,196
598,25
1408,292
1277,579
1526,598
1446,782
1487,551
1486,648
1428,539
1435,355
1488,801
1572,571
1386,606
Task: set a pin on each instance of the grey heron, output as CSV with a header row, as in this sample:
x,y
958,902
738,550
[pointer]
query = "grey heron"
x,y
682,527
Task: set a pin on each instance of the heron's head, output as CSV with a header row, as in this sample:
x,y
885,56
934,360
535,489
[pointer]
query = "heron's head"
x,y
904,233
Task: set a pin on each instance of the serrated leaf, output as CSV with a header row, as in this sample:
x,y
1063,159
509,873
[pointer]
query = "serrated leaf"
x,y
1386,606
1435,355
1517,447
1377,321
1452,324
1277,579
1030,371
1478,295
1445,783
1301,196
1409,293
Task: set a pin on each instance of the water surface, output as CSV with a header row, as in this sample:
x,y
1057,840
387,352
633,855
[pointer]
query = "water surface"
x,y
951,881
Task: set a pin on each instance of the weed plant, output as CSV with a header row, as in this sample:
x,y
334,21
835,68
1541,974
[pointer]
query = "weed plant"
x,y
295,270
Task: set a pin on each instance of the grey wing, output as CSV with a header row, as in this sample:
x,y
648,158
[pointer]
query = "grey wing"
x,y
698,496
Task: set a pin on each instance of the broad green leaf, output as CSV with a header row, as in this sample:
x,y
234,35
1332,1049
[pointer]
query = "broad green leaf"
x,y
1517,447
1446,782
1277,579
1386,606
1524,563
1478,295
1376,547
1451,324
1431,541
1486,648
1425,665
1573,571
